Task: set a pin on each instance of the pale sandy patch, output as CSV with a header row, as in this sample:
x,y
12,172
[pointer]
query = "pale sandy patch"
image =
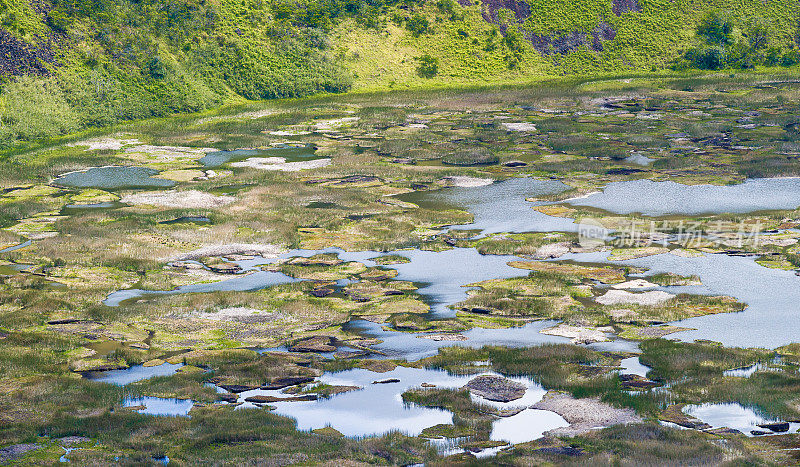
x,y
279,163
248,249
578,334
584,415
622,297
519,126
191,199
467,182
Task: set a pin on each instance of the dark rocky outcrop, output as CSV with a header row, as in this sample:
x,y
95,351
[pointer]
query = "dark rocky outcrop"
x,y
557,44
601,33
490,10
496,388
621,6
18,57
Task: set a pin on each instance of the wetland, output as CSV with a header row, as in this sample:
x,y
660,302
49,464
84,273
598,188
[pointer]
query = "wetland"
x,y
517,275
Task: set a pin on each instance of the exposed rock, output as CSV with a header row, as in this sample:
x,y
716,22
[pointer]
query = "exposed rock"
x,y
601,33
557,44
584,415
552,250
635,284
496,388
578,334
622,297
240,314
225,268
490,10
355,354
22,58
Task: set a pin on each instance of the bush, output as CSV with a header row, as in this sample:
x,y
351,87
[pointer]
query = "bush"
x,y
417,24
790,58
712,58
716,28
428,66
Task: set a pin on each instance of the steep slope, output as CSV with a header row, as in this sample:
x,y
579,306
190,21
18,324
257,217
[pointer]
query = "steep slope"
x,y
71,64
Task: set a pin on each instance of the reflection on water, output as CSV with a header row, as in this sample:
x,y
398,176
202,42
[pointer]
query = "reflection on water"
x,y
290,153
160,406
632,366
243,283
499,207
661,198
733,416
528,425
378,408
133,374
113,177
16,247
414,346
771,318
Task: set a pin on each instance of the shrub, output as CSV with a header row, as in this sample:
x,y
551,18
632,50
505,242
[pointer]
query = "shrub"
x,y
716,28
428,66
712,58
417,24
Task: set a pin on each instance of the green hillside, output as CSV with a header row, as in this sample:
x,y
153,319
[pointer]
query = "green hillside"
x,y
71,64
